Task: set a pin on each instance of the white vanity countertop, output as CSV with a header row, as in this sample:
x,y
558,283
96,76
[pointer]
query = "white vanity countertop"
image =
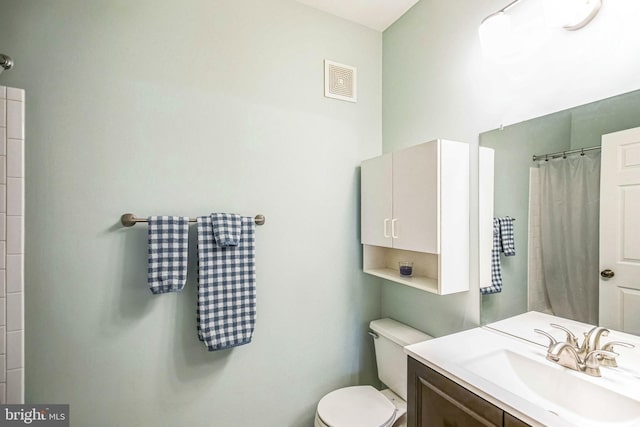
x,y
466,358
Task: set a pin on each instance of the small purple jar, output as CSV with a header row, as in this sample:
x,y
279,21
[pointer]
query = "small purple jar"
x,y
406,268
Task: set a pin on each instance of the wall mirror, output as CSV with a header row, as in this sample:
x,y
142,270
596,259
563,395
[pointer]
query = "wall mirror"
x,y
528,282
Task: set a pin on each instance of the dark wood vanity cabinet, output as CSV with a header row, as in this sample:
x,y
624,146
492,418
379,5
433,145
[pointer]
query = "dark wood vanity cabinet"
x,y
511,421
435,401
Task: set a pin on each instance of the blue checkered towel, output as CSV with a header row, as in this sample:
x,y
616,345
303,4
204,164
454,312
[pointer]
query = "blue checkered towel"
x,y
503,241
507,241
226,229
226,287
168,252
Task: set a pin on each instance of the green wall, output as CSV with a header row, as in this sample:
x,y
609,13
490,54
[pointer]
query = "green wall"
x,y
184,108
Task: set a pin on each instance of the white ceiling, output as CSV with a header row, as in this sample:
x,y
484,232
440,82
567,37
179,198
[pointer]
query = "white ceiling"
x,y
376,14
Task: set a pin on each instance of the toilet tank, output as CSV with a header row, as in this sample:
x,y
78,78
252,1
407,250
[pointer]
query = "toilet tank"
x,y
390,357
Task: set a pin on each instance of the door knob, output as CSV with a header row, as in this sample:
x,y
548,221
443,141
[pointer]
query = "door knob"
x,y
607,274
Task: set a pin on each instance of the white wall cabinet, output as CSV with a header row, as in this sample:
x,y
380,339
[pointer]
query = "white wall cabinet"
x,y
415,207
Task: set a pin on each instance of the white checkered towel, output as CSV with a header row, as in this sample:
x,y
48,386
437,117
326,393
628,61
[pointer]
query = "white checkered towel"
x,y
226,229
167,254
226,287
503,241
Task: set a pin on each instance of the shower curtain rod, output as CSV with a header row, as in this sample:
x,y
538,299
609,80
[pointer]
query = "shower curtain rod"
x,y
563,153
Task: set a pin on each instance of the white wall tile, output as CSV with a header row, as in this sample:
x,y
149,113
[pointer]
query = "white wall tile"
x,y
3,169
3,302
15,158
15,386
11,245
15,196
3,92
15,119
3,226
15,312
3,114
3,283
15,276
15,94
15,349
15,235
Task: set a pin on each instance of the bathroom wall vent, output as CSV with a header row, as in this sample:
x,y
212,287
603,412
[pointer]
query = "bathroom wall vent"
x,y
340,81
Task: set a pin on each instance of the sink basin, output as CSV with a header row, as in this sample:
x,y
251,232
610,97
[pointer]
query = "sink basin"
x,y
569,394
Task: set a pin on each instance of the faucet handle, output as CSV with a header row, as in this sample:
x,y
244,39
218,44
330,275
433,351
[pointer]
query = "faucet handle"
x,y
592,361
609,346
552,340
611,361
571,338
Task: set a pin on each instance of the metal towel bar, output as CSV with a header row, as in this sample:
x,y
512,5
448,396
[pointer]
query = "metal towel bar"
x,y
129,219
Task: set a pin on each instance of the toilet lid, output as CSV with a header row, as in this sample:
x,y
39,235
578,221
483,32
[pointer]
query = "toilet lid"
x,y
360,406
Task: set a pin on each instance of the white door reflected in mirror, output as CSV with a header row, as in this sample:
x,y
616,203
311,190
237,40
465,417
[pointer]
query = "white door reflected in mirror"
x,y
620,231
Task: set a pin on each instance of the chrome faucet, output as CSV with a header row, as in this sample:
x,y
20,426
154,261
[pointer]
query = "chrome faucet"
x,y
565,354
592,340
586,358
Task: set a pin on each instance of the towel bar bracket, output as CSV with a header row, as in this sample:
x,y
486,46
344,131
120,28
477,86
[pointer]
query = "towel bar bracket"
x,y
129,219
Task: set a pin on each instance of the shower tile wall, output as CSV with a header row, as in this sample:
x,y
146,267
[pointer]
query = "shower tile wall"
x,y
11,245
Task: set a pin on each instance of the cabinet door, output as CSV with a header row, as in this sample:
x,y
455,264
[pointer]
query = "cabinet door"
x,y
435,401
454,216
511,421
376,201
416,197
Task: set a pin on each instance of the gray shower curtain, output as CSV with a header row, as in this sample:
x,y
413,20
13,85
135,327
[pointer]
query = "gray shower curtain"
x,y
569,239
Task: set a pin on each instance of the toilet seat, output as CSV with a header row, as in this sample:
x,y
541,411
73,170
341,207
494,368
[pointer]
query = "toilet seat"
x,y
359,406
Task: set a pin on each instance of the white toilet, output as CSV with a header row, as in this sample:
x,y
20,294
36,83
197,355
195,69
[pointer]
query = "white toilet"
x,y
364,406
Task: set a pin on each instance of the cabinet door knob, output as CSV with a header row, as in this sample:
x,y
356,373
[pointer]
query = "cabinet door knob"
x,y
607,274
384,226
